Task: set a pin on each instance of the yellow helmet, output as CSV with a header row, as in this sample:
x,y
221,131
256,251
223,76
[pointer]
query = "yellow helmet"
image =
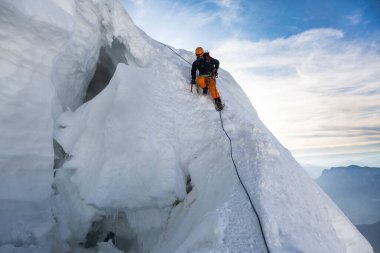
x,y
198,51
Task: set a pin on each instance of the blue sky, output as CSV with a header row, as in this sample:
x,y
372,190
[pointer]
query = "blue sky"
x,y
310,68
284,18
253,20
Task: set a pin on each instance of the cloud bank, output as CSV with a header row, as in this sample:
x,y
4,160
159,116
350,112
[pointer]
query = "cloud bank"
x,y
318,92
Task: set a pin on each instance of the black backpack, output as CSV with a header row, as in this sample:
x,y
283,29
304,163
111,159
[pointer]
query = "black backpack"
x,y
207,57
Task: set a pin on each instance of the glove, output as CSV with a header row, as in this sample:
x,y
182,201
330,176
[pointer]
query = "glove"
x,y
215,72
192,81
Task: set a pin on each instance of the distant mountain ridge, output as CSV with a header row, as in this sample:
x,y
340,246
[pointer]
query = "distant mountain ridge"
x,y
352,168
356,190
372,233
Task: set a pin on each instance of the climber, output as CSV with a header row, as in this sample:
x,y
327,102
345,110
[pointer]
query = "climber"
x,y
208,72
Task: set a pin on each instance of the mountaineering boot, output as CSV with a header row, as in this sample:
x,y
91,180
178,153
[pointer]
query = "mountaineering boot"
x,y
218,104
204,92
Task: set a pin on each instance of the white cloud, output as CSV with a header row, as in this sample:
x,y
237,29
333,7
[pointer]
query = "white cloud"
x,y
314,90
185,24
178,24
138,2
229,12
355,18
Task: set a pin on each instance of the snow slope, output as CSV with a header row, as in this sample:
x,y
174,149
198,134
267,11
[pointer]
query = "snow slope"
x,y
129,151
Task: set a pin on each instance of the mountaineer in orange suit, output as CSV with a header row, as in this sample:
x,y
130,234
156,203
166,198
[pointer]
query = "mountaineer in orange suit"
x,y
208,72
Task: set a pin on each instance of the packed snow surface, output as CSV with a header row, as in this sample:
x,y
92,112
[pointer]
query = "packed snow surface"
x,y
143,162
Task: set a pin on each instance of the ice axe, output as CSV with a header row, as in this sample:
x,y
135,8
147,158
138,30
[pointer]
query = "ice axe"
x,y
191,87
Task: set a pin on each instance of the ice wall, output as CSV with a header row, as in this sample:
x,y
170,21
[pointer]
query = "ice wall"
x,y
49,53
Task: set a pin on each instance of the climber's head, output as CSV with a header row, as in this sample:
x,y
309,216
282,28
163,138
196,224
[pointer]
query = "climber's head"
x,y
199,51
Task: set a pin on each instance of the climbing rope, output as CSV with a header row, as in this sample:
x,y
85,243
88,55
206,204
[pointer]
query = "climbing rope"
x,y
233,161
242,184
180,56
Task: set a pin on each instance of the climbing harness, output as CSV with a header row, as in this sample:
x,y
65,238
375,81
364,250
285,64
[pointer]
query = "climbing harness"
x,y
242,184
233,161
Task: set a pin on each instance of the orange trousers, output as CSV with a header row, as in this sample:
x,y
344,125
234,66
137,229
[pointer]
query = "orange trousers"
x,y
210,83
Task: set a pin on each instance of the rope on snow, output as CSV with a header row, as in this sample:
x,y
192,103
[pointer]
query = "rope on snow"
x,y
242,184
233,161
180,56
